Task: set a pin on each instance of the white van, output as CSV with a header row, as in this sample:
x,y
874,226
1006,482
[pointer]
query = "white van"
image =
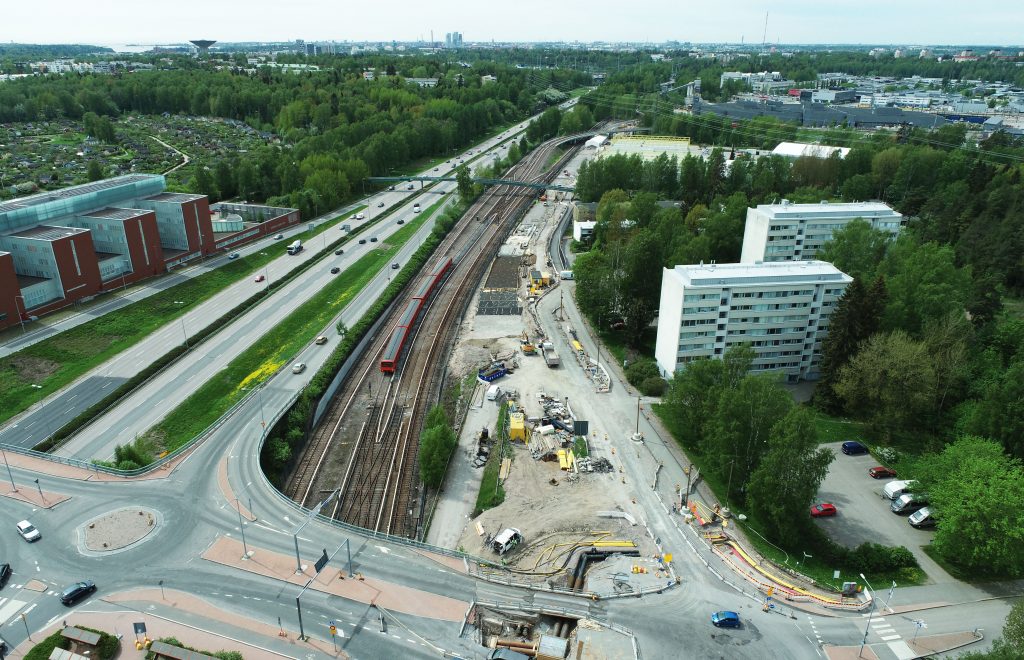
x,y
508,539
565,275
894,489
493,392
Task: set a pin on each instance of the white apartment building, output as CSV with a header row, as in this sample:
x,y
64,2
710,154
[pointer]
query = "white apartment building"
x,y
781,309
794,232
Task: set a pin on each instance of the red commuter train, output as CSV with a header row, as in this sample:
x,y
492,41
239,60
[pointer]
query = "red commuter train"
x,y
395,346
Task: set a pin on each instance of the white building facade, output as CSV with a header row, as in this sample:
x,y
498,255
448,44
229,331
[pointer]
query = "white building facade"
x,y
781,309
795,232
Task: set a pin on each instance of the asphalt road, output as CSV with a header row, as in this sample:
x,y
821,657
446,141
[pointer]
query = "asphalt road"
x,y
43,419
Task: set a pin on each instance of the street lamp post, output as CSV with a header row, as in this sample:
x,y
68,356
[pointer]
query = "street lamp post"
x,y
251,511
181,319
241,526
870,615
9,474
21,315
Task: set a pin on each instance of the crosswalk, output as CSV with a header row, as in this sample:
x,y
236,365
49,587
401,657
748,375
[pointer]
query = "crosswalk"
x,y
10,607
884,630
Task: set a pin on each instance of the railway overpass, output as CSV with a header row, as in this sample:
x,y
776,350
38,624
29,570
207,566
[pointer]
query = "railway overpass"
x,y
480,180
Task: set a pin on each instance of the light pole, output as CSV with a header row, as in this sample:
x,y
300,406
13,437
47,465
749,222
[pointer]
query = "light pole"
x,y
259,394
251,512
9,474
870,614
182,320
241,526
21,316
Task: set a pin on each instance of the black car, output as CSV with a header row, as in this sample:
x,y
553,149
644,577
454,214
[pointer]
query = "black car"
x,y
337,252
362,241
854,448
373,239
5,574
77,592
335,270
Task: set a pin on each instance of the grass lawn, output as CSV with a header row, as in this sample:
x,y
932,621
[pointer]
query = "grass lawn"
x,y
491,492
55,362
272,351
835,429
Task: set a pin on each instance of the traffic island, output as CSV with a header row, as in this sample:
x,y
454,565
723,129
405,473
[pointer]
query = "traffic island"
x,y
119,530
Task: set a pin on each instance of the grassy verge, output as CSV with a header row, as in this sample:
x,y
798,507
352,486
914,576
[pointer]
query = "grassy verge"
x,y
54,363
814,543
834,429
265,357
491,492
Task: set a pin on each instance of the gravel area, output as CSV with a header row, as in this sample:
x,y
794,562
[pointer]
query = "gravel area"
x,y
119,529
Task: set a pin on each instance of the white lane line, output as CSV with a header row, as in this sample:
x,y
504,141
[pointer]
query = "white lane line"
x,y
30,608
890,638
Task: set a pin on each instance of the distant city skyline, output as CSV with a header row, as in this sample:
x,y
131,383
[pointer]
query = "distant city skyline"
x,y
911,22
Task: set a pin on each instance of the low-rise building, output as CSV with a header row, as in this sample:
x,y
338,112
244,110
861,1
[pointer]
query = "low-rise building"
x,y
781,309
795,232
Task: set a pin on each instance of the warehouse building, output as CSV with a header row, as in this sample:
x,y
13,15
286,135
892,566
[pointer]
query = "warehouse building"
x,y
795,232
64,246
781,309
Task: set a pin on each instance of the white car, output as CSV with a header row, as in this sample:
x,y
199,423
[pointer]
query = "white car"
x,y
28,532
298,367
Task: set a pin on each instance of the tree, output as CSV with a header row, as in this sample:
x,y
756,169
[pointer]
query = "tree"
x,y
999,411
225,179
856,249
94,171
977,493
923,282
783,485
890,383
694,391
464,183
436,444
735,437
856,317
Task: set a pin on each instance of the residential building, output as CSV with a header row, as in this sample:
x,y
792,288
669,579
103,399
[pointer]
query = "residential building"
x,y
795,232
781,309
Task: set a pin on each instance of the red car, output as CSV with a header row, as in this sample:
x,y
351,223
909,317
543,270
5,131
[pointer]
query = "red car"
x,y
822,510
260,278
882,472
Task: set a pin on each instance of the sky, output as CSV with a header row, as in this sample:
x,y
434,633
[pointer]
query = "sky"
x,y
898,22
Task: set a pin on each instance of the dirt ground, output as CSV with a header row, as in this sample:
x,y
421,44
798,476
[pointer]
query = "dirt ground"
x,y
541,500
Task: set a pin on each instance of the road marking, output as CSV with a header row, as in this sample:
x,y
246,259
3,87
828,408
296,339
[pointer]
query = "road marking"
x,y
8,610
30,608
890,638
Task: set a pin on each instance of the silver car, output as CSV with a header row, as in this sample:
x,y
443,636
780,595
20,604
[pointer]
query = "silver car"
x,y
28,532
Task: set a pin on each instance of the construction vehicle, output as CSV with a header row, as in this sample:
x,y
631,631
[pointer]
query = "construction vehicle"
x,y
527,346
295,247
550,356
493,372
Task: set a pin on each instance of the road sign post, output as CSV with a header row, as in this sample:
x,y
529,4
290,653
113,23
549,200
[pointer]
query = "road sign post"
x,y
334,639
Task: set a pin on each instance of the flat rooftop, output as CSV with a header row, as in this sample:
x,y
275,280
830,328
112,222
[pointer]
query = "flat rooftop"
x,y
174,197
766,274
48,232
116,214
865,209
74,191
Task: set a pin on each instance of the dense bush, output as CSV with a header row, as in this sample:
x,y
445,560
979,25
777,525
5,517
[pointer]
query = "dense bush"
x,y
223,655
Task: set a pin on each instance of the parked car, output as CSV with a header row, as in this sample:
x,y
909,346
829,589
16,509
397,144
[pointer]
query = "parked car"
x,y
881,472
321,340
5,574
822,510
28,532
922,518
335,270
233,255
339,252
725,619
298,367
894,489
77,592
260,278
908,503
854,448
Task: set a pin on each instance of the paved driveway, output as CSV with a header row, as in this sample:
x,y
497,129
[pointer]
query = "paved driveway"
x,y
864,513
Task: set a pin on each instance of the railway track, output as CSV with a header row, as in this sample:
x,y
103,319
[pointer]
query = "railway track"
x,y
368,441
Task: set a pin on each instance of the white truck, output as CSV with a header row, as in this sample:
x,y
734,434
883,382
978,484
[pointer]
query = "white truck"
x,y
550,356
295,247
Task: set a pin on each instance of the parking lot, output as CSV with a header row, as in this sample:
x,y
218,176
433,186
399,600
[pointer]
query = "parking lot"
x,y
863,514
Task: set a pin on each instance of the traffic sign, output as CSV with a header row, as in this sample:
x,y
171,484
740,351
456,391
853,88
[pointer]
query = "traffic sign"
x,y
334,631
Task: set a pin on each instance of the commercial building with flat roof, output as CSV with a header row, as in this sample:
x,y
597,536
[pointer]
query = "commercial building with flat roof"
x,y
70,244
795,232
781,309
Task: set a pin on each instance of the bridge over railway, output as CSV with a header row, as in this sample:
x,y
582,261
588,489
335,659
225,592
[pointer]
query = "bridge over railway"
x,y
483,181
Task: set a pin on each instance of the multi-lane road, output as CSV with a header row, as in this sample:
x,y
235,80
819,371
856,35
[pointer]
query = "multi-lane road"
x,y
43,419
